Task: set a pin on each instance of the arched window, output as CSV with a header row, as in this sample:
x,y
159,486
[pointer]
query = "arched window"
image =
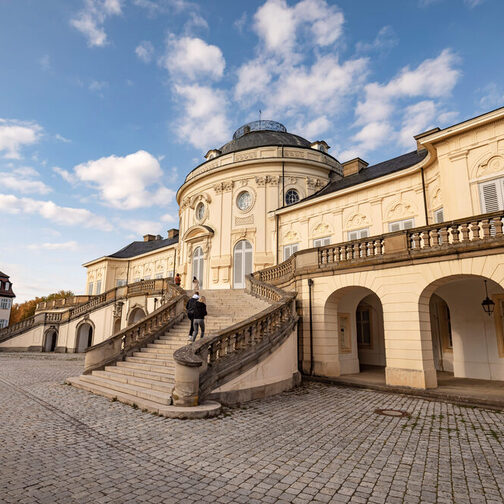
x,y
291,197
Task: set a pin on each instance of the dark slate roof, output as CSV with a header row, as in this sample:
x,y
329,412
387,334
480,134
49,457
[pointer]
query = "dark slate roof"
x,y
137,248
263,138
372,172
3,275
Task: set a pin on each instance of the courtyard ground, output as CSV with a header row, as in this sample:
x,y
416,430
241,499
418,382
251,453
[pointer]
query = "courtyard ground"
x,y
318,443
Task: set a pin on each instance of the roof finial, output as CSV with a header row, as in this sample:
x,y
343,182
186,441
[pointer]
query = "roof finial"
x,y
260,112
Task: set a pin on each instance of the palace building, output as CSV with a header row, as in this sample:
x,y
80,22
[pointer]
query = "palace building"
x,y
397,266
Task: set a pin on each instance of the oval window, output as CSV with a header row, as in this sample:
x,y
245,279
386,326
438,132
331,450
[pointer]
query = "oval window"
x,y
244,200
291,197
200,211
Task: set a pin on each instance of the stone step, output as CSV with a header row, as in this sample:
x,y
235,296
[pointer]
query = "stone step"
x,y
168,370
132,390
142,358
141,373
161,350
147,383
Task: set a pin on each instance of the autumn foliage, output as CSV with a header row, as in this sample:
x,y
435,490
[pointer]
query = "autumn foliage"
x,y
21,311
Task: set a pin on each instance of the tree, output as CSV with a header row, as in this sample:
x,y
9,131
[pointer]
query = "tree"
x,y
22,311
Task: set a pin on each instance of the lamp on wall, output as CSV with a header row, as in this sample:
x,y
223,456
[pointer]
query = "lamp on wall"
x,y
487,304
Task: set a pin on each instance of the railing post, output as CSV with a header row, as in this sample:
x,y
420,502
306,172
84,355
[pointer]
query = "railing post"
x,y
186,389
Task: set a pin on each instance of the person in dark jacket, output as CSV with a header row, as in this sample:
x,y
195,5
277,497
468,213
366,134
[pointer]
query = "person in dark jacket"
x,y
178,280
199,318
190,307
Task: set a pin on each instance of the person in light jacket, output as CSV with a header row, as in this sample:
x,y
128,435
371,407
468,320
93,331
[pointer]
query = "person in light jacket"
x,y
195,284
199,318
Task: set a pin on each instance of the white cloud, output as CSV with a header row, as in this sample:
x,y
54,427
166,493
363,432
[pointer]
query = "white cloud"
x,y
98,86
141,226
195,22
204,121
16,134
385,39
65,175
155,7
416,119
91,18
240,23
492,96
61,138
145,51
192,58
49,210
123,182
314,128
22,180
69,245
473,3
172,219
279,26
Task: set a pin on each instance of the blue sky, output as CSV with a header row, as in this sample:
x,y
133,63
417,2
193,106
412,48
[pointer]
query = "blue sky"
x,y
105,105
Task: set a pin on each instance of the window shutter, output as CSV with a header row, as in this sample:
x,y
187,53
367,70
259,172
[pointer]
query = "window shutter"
x,y
352,235
294,248
364,233
395,227
439,216
490,197
408,224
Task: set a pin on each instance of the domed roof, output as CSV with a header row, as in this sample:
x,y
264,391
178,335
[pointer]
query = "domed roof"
x,y
262,133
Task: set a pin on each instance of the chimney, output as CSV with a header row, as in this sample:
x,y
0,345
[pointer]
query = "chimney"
x,y
149,237
172,233
353,166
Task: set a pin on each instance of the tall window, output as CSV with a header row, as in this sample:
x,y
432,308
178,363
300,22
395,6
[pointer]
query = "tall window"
x,y
5,303
358,233
289,250
120,283
401,225
492,195
98,287
439,216
321,242
90,289
3,323
291,197
363,320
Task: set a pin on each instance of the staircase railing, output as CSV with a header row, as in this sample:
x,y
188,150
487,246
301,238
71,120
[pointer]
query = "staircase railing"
x,y
132,338
157,286
218,358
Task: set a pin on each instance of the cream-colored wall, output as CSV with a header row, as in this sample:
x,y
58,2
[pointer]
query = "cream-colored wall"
x,y
259,172
404,293
279,366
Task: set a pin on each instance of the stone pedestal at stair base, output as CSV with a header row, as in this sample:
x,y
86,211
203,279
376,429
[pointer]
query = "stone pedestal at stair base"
x,y
413,378
185,392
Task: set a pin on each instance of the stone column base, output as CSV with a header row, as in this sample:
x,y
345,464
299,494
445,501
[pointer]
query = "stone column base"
x,y
414,378
185,392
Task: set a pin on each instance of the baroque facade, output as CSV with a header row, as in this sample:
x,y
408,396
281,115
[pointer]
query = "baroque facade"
x,y
390,263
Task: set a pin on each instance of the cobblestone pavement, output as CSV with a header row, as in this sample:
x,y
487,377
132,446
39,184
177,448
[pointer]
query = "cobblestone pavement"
x,y
319,443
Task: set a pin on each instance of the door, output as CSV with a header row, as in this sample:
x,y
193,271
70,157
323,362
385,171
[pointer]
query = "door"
x,y
198,265
242,263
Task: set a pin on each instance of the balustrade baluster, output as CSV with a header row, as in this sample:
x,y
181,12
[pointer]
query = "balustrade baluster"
x,y
443,234
497,225
464,231
455,234
415,240
425,236
485,226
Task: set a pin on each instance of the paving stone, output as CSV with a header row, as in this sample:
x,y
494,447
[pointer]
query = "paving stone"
x,y
318,443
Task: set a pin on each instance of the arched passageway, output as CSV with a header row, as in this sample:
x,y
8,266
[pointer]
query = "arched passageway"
x,y
354,322
84,337
136,315
117,326
466,341
242,263
50,340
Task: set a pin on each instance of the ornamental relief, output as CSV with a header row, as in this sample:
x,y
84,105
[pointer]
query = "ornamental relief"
x,y
321,229
314,183
291,237
357,220
295,154
436,200
494,165
400,209
245,156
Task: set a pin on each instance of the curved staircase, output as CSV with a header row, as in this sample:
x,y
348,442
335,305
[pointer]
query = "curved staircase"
x,y
145,379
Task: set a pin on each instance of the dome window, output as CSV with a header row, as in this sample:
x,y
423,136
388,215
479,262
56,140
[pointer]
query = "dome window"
x,y
244,201
291,197
200,211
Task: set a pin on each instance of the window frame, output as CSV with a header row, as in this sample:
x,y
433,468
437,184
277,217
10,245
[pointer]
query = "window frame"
x,y
291,248
359,234
291,190
401,224
322,240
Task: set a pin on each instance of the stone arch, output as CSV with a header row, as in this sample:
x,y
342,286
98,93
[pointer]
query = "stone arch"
x,y
136,314
346,331
50,340
84,333
474,338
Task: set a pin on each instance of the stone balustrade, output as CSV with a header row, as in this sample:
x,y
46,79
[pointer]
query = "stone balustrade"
x,y
211,362
132,338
